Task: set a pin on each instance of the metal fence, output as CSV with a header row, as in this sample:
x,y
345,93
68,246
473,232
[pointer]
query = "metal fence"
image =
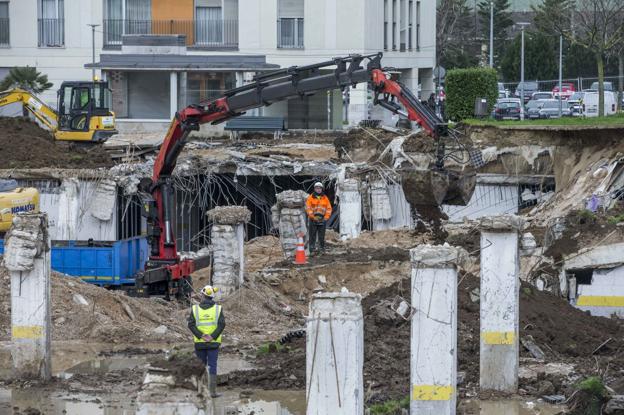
x,y
579,84
4,32
212,33
290,33
51,32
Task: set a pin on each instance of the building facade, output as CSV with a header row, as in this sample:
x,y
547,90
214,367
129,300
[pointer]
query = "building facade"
x,y
160,55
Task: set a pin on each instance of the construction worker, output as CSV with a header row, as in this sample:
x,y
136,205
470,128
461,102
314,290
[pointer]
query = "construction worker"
x,y
318,209
206,322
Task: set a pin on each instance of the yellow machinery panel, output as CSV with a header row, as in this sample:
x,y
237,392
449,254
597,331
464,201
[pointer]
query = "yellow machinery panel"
x,y
21,199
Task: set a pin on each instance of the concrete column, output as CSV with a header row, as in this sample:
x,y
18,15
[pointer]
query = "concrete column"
x,y
228,244
335,355
434,330
173,93
68,218
426,81
289,217
397,27
27,257
389,25
414,31
350,209
358,104
500,288
183,93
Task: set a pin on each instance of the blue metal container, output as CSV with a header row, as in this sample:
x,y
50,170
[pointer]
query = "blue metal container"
x,y
102,263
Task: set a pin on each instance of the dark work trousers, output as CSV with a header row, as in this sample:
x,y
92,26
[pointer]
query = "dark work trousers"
x,y
317,230
209,358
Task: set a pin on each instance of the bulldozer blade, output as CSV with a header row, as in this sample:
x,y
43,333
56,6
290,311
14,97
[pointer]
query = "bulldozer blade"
x,y
461,187
424,187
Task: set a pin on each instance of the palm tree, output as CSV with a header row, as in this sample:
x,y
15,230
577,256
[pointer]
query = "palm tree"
x,y
26,77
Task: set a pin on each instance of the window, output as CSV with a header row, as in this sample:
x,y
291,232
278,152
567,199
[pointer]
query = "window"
x,y
417,25
209,25
290,24
51,23
126,17
4,23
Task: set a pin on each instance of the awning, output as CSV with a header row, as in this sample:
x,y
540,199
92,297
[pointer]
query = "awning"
x,y
175,62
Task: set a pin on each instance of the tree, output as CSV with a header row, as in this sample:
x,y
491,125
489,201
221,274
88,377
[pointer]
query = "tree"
x,y
502,23
595,25
539,58
26,77
454,26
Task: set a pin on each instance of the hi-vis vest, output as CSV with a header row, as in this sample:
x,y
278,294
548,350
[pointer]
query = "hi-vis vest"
x,y
206,321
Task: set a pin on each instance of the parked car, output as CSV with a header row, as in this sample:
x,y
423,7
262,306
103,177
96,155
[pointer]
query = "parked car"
x,y
567,89
502,92
547,108
507,109
542,95
591,100
531,109
608,86
529,88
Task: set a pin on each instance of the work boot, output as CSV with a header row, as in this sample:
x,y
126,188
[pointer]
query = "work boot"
x,y
212,385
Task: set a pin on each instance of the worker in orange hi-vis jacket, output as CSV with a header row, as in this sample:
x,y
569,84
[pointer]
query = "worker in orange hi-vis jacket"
x,y
318,209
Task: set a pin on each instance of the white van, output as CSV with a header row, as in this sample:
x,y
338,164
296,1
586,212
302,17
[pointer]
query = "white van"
x,y
590,104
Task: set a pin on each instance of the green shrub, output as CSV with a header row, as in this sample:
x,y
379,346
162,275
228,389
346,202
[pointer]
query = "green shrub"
x,y
463,86
390,407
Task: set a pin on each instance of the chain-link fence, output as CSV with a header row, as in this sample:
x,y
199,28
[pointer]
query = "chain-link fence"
x,y
570,85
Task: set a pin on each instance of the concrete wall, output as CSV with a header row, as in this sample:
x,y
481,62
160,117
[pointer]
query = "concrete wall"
x,y
605,295
59,63
487,200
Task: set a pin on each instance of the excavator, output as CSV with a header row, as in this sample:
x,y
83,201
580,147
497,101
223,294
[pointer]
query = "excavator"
x,y
83,110
167,274
14,200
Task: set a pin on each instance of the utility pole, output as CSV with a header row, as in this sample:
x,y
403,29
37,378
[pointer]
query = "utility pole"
x,y
522,26
560,72
93,26
491,34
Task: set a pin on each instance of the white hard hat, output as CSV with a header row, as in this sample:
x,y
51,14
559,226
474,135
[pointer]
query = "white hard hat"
x,y
318,184
209,290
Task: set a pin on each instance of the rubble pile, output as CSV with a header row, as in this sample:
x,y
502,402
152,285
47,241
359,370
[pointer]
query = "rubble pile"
x,y
229,215
42,151
87,312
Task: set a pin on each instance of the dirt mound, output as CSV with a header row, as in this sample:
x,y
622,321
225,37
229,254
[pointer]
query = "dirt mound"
x,y
104,317
25,145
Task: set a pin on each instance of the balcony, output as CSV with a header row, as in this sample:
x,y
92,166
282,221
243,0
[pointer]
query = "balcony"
x,y
4,32
290,33
51,32
209,34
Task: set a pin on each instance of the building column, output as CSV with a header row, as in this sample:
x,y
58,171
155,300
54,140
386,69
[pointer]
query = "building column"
x,y
350,209
27,257
433,370
183,94
335,355
289,217
426,83
389,13
228,242
499,303
397,28
173,94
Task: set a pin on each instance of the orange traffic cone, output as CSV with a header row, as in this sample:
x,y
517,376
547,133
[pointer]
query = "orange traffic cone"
x,y
300,254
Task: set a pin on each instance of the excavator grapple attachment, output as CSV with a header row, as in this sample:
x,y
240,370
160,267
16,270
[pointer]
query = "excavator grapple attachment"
x,y
437,187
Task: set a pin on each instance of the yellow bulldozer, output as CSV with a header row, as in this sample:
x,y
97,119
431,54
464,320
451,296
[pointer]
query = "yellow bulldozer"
x,y
14,200
83,112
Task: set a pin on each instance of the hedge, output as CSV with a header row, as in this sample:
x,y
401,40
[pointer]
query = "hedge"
x,y
463,86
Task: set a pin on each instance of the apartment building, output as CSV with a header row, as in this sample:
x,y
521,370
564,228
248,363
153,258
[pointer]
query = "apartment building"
x,y
160,55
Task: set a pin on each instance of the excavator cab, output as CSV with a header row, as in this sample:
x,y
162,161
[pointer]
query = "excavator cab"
x,y
84,111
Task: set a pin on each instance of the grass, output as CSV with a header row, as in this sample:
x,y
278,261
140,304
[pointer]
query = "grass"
x,y
271,348
390,407
614,220
617,119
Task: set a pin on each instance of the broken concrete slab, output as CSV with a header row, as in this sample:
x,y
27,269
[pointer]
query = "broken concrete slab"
x,y
502,223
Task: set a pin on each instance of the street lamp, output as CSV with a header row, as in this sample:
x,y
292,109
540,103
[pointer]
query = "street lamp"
x,y
93,26
522,26
491,34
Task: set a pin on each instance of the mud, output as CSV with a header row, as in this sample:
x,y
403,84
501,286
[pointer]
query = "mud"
x,y
25,145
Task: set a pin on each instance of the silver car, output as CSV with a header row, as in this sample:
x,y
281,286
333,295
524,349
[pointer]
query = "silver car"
x,y
547,108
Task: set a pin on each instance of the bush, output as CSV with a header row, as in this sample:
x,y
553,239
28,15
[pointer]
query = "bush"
x,y
463,86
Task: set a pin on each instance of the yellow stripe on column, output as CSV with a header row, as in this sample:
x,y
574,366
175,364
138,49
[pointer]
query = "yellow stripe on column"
x,y
498,337
432,392
600,300
27,332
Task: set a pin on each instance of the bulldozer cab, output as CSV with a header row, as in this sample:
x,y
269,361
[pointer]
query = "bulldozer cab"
x,y
84,111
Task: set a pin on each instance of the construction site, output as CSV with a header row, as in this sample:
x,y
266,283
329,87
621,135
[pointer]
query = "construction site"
x,y
469,269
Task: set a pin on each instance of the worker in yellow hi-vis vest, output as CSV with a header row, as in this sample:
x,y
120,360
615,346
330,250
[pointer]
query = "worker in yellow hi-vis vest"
x,y
206,322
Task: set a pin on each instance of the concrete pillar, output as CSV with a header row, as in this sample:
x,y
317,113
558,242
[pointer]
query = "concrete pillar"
x,y
173,93
289,217
396,19
389,24
228,244
358,104
426,82
68,218
434,330
350,209
183,93
27,257
500,288
335,355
